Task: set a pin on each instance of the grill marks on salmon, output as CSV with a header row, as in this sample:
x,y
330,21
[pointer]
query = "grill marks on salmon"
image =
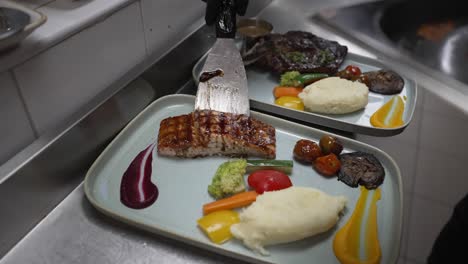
x,y
207,132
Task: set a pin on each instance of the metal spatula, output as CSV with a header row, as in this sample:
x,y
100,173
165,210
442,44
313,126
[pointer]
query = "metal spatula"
x,y
227,91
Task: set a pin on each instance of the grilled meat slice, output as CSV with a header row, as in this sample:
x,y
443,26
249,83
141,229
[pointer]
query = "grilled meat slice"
x,y
207,132
360,168
296,51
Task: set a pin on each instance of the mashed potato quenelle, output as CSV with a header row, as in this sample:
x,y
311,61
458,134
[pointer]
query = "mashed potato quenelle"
x,y
335,96
287,215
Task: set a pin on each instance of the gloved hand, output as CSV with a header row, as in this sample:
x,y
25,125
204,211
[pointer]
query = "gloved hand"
x,y
213,9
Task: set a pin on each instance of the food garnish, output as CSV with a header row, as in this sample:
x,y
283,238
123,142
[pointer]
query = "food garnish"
x,y
228,179
206,76
390,115
284,166
217,225
289,79
327,165
347,242
280,91
207,132
136,189
268,180
384,82
287,215
360,168
296,79
308,78
334,95
306,151
290,102
329,144
235,201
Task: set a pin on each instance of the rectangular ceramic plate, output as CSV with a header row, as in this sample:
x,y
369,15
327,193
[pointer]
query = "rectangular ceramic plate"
x,y
183,185
261,84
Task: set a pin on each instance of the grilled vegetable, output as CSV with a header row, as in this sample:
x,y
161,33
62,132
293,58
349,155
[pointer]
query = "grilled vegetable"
x,y
330,144
284,166
235,201
228,180
327,165
268,180
360,168
308,78
289,78
306,151
280,91
290,102
217,225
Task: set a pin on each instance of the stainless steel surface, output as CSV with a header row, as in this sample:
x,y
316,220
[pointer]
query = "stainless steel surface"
x,y
41,176
11,22
75,232
361,24
227,92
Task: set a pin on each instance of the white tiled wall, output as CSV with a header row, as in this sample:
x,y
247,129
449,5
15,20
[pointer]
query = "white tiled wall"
x,y
166,22
15,131
59,81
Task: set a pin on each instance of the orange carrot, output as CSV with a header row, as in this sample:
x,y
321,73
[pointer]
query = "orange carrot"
x,y
286,91
237,200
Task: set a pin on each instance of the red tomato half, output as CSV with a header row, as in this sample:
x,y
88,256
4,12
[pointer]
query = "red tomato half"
x,y
268,180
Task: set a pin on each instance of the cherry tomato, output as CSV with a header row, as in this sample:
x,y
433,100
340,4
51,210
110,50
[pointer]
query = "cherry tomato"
x,y
327,165
268,180
330,144
354,70
306,151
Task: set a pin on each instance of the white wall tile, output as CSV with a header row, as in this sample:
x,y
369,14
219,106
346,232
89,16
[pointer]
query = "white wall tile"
x,y
441,177
427,220
167,22
16,131
445,133
58,82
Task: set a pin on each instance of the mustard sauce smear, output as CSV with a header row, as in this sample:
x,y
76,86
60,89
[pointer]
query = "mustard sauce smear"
x,y
347,242
390,115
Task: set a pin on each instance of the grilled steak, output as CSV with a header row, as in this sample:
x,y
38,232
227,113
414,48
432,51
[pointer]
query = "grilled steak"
x,y
207,132
296,51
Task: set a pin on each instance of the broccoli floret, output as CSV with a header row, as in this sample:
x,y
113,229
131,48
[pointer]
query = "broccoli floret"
x,y
288,78
228,179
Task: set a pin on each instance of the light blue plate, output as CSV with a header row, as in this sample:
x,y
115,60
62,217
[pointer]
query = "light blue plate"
x,y
183,185
261,84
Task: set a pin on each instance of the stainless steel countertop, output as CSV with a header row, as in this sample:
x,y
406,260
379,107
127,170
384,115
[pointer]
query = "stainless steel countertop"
x,y
74,232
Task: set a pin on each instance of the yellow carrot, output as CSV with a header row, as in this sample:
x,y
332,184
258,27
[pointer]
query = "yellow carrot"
x,y
235,201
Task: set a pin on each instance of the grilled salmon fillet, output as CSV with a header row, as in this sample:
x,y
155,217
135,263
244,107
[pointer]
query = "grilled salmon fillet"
x,y
207,132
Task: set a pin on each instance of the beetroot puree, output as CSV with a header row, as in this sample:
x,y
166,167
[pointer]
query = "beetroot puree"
x,y
136,189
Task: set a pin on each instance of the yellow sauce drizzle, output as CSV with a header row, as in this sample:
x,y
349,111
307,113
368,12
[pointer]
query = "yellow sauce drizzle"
x,y
390,114
347,242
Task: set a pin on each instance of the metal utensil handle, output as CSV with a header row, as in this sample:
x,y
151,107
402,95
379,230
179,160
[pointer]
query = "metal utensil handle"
x,y
226,20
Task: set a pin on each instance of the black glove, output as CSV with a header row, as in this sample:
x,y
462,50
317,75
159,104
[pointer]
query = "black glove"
x,y
213,9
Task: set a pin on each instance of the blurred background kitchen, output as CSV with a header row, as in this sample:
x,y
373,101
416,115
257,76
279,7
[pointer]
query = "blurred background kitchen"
x,y
84,68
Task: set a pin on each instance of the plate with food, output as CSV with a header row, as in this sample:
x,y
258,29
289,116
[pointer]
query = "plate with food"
x,y
257,188
301,76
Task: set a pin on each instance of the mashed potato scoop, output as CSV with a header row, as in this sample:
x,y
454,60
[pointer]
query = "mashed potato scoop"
x,y
287,215
335,96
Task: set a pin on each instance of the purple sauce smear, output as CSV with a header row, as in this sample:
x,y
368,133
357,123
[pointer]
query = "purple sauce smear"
x,y
136,189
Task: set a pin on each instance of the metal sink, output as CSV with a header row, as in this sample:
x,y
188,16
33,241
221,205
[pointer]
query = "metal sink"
x,y
433,33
